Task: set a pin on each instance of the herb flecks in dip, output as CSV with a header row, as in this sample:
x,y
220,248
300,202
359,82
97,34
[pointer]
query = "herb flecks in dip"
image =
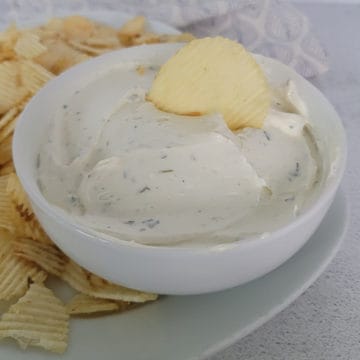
x,y
119,165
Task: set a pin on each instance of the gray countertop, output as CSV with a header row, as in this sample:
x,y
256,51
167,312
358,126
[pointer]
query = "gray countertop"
x,y
324,323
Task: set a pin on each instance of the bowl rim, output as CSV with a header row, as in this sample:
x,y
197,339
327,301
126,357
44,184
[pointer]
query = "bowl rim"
x,y
61,217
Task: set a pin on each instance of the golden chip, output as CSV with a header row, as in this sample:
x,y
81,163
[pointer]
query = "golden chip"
x,y
8,117
91,284
91,50
7,168
47,256
11,91
151,38
78,27
213,75
140,70
132,29
146,38
60,56
103,36
19,197
6,216
28,45
23,217
8,129
38,319
55,262
103,42
34,76
30,228
82,304
8,39
15,272
54,25
6,150
15,218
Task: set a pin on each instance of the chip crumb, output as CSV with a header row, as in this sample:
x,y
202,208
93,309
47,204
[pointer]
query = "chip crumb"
x,y
140,70
38,319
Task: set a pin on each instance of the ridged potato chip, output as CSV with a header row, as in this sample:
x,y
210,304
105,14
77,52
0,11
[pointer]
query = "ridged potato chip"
x,y
28,45
91,284
26,224
55,262
8,39
8,129
213,75
47,256
15,273
6,150
109,41
38,319
8,117
77,27
6,217
88,49
82,304
19,197
59,56
131,30
34,76
104,36
30,228
11,90
7,168
151,38
14,216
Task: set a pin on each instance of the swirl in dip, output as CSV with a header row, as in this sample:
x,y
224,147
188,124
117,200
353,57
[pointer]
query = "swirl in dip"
x,y
122,167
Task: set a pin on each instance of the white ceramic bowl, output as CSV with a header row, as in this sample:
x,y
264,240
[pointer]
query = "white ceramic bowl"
x,y
171,270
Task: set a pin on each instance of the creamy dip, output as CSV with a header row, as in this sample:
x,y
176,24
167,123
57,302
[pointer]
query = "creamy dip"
x,y
122,167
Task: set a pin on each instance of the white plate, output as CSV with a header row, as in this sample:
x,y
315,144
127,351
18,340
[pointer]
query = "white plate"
x,y
193,327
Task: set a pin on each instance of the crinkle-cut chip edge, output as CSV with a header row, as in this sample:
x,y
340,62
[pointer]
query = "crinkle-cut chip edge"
x,y
91,284
7,168
6,214
38,319
6,150
11,90
19,197
87,49
82,304
15,273
214,65
78,27
9,116
60,56
153,38
28,45
55,262
13,219
133,27
34,76
30,228
103,42
45,255
8,129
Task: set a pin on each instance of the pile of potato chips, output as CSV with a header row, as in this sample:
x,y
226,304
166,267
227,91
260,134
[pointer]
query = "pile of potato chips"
x,y
28,59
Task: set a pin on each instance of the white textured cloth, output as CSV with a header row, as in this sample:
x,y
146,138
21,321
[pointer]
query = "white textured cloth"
x,y
270,27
